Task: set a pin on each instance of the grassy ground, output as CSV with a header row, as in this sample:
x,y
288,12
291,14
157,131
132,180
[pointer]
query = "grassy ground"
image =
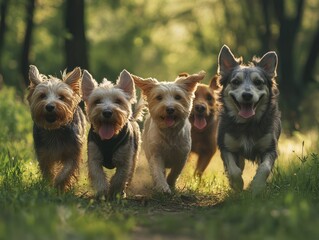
x,y
287,209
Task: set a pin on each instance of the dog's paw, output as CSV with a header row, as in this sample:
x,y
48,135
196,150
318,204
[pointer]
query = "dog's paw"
x,y
163,189
256,187
101,195
236,183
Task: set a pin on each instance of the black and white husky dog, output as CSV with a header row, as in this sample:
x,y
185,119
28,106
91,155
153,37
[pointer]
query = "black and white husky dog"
x,y
249,126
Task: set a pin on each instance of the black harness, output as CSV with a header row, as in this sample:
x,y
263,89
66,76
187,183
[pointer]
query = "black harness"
x,y
108,147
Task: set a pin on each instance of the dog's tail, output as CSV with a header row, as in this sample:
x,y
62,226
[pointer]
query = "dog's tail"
x,y
139,110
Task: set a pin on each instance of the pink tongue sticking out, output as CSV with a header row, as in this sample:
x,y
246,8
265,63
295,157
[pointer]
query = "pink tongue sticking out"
x,y
200,122
169,121
246,110
106,131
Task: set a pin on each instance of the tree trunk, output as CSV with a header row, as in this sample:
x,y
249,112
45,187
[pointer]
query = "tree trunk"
x,y
3,27
311,60
289,86
75,42
30,7
266,36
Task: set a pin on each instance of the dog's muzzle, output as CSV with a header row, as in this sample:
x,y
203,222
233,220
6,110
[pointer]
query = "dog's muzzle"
x,y
246,108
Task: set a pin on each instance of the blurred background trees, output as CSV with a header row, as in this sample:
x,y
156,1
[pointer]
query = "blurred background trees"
x,y
162,38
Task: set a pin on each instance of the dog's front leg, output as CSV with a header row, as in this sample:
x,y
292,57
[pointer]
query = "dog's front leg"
x,y
263,171
95,169
120,179
203,161
233,171
174,174
157,169
46,164
68,172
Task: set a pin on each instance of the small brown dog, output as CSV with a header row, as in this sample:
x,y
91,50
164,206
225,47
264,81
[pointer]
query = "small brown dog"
x,y
59,125
204,119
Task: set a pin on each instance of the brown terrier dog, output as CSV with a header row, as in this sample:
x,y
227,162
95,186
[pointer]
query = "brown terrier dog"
x,y
166,135
204,119
59,125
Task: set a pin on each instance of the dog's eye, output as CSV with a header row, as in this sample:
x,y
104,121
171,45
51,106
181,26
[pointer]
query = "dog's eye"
x,y
178,97
159,97
209,97
97,101
258,82
61,97
42,95
118,101
235,82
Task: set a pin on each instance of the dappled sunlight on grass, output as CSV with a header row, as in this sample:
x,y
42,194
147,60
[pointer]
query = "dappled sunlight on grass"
x,y
298,145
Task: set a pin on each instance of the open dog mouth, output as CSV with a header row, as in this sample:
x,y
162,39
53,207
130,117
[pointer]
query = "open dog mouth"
x,y
51,118
106,130
199,121
169,120
246,109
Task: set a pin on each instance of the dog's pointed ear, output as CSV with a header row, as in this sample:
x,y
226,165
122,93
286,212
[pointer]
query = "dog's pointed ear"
x,y
88,84
269,63
125,82
214,83
73,79
226,61
145,84
34,76
189,83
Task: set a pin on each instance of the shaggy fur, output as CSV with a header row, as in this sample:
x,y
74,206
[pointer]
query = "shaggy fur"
x,y
59,125
166,135
114,137
249,125
204,119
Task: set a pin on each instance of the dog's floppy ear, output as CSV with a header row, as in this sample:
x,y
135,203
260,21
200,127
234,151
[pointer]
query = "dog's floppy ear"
x,y
88,84
269,63
189,83
73,79
145,84
183,74
226,61
214,83
125,82
34,75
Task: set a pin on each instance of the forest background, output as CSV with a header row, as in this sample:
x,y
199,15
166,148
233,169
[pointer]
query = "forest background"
x,y
163,38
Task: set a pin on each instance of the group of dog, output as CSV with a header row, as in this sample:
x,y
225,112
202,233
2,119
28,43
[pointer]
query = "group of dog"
x,y
237,111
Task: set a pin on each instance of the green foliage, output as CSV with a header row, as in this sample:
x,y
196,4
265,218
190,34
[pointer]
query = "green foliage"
x,y
147,37
300,178
15,123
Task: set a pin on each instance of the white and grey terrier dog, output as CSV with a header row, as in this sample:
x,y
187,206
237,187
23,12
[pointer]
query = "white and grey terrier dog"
x,y
114,137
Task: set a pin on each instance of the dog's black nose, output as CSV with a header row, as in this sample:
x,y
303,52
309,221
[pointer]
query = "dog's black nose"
x,y
49,107
200,108
107,113
170,110
247,96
